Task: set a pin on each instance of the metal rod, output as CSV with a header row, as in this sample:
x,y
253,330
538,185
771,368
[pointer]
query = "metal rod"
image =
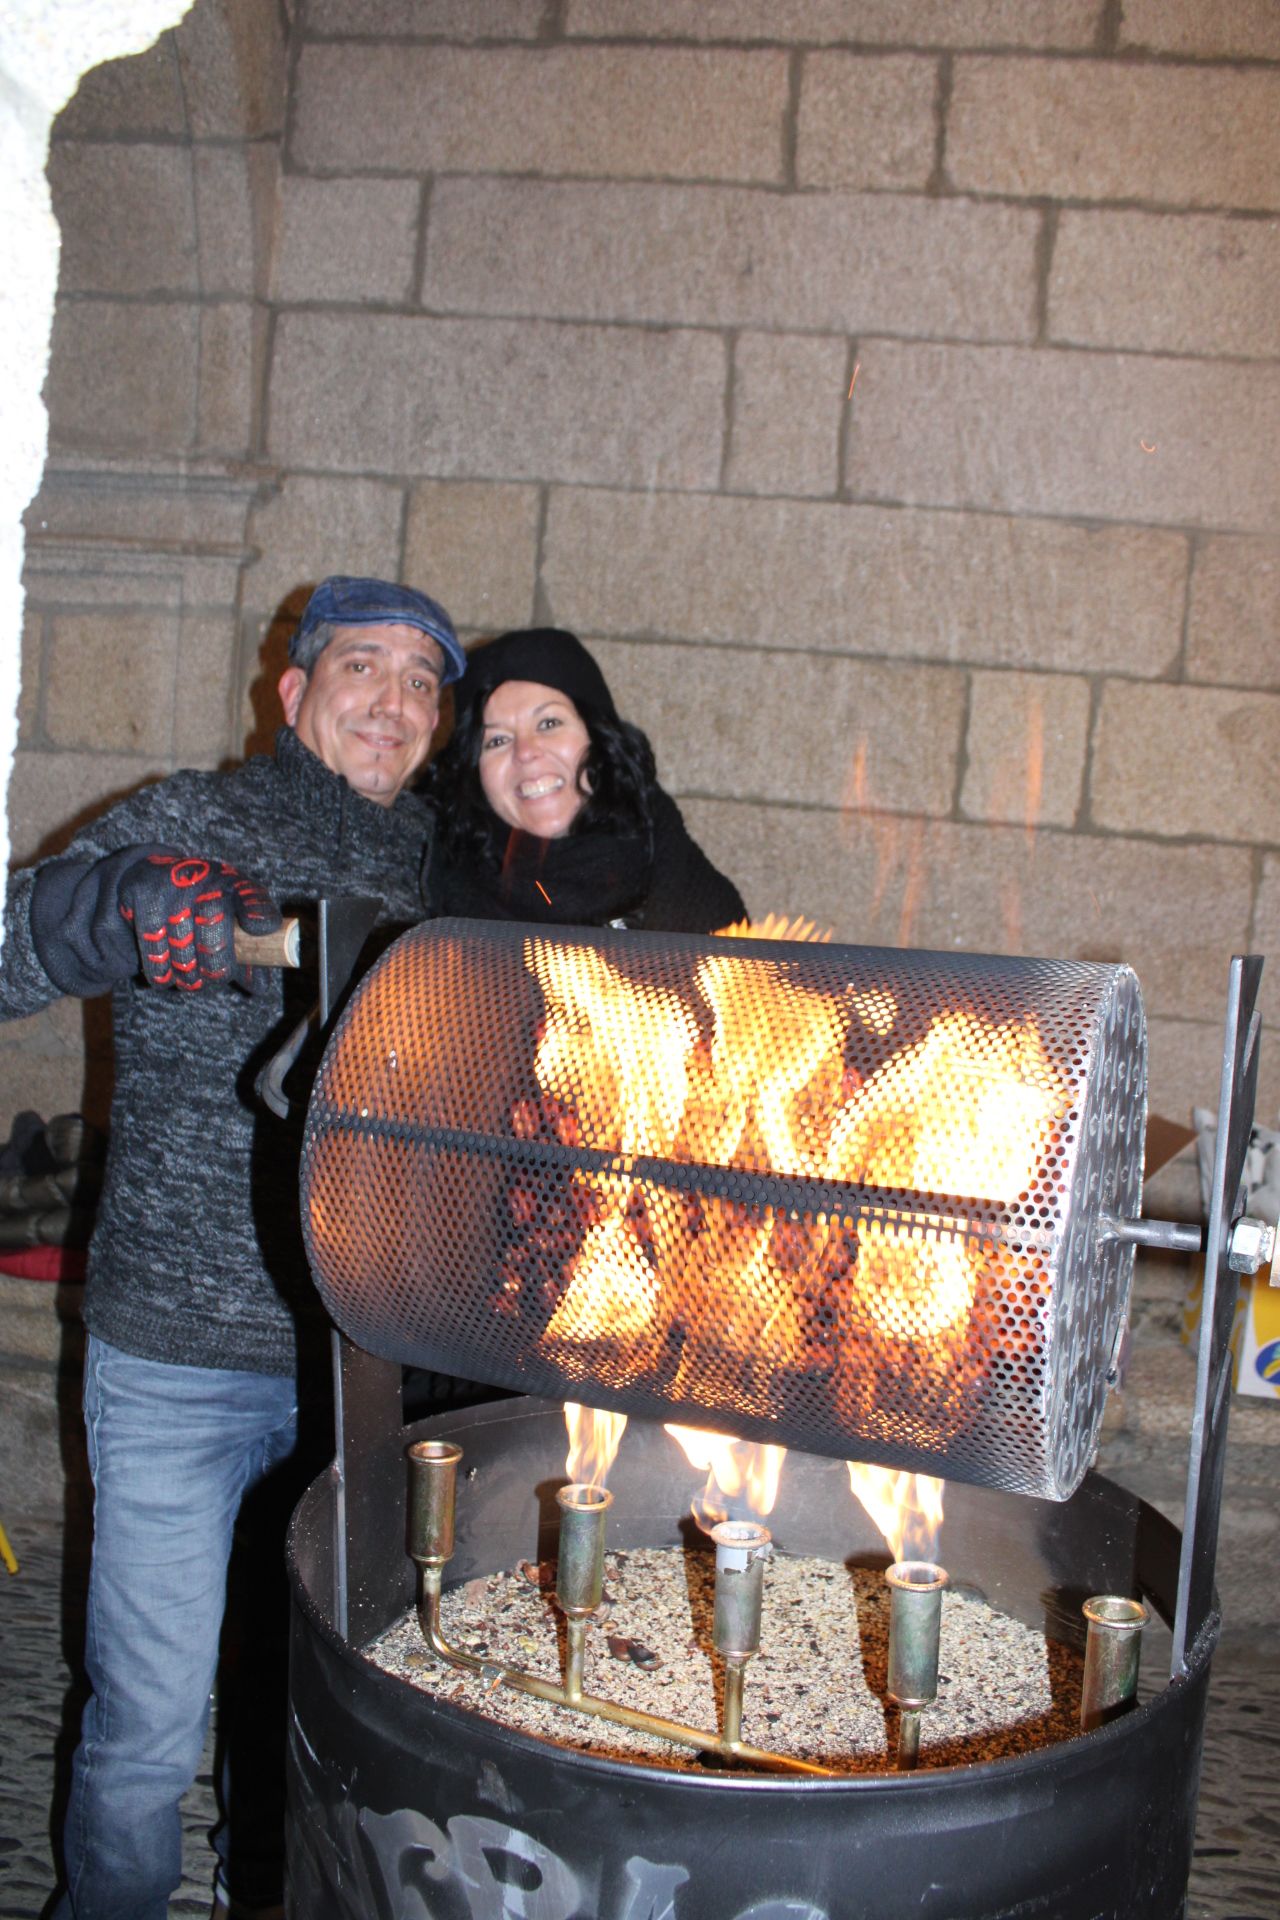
x,y
575,1655
1112,1652
1172,1236
915,1627
532,1683
909,1211
735,1672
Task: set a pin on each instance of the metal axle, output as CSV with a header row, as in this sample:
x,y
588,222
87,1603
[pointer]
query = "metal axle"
x,y
1251,1243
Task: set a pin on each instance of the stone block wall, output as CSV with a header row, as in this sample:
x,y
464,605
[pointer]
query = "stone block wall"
x,y
888,389
163,173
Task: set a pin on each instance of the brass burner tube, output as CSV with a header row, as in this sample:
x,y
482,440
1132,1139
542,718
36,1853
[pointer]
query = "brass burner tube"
x,y
433,1478
433,1468
1112,1651
580,1571
742,1547
915,1626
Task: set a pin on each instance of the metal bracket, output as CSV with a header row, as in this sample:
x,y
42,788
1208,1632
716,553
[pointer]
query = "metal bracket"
x,y
1196,1599
345,924
366,1392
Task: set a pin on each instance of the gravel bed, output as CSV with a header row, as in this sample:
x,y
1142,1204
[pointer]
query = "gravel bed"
x,y
816,1690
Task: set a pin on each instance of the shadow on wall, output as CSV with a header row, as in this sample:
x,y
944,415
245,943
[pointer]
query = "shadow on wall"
x,y
262,701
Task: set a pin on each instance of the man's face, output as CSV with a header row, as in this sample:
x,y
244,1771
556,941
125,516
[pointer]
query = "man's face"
x,y
369,706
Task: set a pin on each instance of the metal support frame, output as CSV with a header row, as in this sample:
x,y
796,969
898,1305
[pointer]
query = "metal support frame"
x,y
1196,1604
366,1391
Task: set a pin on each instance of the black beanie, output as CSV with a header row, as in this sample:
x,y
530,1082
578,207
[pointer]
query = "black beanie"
x,y
548,656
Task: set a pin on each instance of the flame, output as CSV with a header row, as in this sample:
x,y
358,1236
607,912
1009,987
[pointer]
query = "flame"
x,y
594,1439
906,1507
966,1110
742,1475
777,926
719,1301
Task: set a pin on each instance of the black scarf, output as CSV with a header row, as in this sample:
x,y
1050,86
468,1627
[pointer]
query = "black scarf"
x,y
578,880
659,879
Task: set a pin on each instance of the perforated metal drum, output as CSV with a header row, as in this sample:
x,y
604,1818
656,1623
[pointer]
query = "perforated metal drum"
x,y
851,1199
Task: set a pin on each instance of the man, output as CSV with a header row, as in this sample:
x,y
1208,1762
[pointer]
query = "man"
x,y
197,1301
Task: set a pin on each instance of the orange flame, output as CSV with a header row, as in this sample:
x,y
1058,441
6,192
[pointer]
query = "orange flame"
x,y
751,1071
777,926
742,1476
906,1508
594,1439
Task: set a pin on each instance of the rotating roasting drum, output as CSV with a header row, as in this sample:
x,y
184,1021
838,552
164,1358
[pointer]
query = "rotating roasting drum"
x,y
871,1203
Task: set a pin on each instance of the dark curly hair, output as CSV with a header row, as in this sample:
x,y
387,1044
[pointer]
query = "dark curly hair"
x,y
618,777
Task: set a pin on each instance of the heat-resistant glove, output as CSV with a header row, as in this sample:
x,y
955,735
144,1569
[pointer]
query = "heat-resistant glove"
x,y
184,911
92,920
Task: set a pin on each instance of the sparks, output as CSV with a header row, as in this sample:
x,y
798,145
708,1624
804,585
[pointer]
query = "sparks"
x,y
542,890
857,367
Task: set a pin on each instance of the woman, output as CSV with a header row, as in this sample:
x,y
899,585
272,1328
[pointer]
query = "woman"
x,y
549,804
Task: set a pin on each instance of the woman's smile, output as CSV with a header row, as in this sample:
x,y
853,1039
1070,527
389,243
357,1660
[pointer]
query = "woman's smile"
x,y
531,755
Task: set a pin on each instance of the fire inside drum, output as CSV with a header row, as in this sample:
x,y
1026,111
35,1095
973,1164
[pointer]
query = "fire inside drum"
x,y
851,1199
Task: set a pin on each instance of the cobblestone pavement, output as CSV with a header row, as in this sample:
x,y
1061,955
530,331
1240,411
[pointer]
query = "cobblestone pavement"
x,y
41,1631
1236,1875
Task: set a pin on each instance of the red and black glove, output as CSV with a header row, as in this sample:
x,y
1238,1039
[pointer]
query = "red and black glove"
x,y
184,910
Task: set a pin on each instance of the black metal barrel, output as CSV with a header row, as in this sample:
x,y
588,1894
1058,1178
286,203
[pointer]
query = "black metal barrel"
x,y
407,1808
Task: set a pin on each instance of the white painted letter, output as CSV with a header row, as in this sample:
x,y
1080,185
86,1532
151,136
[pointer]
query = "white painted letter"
x,y
653,1889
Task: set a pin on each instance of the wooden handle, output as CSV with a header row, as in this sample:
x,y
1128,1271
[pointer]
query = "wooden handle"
x,y
278,949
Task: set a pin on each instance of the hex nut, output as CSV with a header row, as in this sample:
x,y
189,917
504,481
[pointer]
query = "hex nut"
x,y
1251,1245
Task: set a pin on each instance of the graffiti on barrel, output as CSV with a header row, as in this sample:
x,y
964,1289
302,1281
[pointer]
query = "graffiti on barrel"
x,y
406,1866
504,1874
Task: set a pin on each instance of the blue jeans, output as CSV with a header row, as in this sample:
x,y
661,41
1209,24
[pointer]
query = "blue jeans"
x,y
173,1451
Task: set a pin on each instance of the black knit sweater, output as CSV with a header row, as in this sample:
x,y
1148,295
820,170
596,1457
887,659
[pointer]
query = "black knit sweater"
x,y
197,1257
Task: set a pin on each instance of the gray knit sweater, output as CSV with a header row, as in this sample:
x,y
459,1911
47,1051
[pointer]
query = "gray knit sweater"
x,y
196,1258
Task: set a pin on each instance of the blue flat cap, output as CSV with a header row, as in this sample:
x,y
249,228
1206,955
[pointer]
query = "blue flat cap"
x,y
344,601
